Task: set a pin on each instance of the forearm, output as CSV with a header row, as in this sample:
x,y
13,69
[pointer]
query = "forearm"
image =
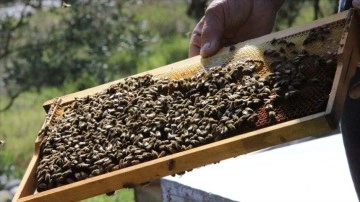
x,y
232,21
277,4
346,4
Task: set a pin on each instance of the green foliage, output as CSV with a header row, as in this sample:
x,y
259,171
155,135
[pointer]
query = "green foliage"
x,y
171,40
19,127
167,51
164,18
122,195
294,12
89,43
51,48
7,170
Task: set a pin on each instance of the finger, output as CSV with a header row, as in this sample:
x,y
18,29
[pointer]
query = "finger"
x,y
354,92
195,41
194,48
356,4
212,31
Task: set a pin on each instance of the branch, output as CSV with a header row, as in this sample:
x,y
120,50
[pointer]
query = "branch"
x,y
18,24
316,9
11,102
30,47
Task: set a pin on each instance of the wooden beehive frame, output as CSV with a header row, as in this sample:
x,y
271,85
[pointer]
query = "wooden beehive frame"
x,y
320,123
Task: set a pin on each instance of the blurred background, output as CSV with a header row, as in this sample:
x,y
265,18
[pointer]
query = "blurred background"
x,y
49,48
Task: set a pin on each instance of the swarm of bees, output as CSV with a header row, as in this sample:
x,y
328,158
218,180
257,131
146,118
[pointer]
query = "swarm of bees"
x,y
144,118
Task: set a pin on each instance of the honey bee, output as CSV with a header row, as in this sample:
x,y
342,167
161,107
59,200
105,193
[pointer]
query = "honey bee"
x,y
42,186
272,115
290,44
135,162
171,164
273,41
162,153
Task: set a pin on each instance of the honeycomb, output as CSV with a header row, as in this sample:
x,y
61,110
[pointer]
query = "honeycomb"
x,y
151,116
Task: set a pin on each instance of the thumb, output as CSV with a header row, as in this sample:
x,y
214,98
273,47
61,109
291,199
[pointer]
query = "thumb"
x,y
354,92
212,32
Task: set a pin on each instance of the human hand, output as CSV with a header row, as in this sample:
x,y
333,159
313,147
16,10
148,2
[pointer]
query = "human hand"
x,y
231,21
356,4
354,91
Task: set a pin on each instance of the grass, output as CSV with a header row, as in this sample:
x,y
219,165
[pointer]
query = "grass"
x,y
19,126
123,195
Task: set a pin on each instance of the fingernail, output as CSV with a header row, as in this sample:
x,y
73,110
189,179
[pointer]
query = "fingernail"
x,y
354,91
205,48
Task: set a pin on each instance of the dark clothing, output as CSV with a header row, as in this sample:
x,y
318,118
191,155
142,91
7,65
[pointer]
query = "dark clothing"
x,y
350,128
350,123
344,5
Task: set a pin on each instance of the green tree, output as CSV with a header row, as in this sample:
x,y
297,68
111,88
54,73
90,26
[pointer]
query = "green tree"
x,y
62,45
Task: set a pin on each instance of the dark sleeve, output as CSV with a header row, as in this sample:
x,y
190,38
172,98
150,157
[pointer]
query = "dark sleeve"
x,y
350,123
350,128
344,5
